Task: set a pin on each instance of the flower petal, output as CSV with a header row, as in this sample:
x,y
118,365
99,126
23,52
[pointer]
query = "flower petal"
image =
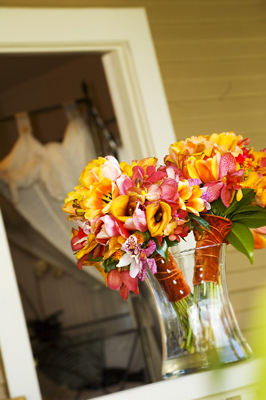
x,y
124,292
134,268
114,280
227,165
131,283
125,261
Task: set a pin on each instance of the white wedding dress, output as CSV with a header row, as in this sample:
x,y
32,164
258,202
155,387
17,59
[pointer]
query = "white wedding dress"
x,y
36,178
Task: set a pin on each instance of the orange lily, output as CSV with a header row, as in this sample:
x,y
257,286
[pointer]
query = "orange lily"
x,y
205,170
259,241
189,199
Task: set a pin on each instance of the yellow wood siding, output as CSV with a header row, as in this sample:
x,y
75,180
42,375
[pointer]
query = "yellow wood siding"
x,y
212,56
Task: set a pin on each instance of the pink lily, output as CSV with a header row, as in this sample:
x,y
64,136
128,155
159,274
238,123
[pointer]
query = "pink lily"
x,y
138,222
229,180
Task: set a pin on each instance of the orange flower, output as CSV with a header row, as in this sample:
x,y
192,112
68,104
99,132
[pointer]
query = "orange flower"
x,y
118,255
203,148
144,163
158,217
91,244
259,241
189,199
115,244
205,170
99,199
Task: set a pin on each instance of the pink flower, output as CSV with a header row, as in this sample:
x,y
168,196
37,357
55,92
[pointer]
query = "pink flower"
x,y
138,222
229,180
107,227
123,183
123,281
136,257
111,168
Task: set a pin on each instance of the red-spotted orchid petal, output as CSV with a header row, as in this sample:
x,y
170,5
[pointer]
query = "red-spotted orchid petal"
x,y
114,279
124,292
214,190
227,165
131,283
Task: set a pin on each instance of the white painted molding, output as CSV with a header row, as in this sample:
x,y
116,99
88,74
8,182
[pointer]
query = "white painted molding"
x,y
14,339
231,383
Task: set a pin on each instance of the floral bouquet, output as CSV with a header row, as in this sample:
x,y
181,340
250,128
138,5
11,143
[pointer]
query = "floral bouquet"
x,y
129,216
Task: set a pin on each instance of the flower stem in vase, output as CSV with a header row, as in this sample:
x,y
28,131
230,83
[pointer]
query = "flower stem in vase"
x,y
209,297
178,292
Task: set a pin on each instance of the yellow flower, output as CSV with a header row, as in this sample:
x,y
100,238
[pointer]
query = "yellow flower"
x,y
115,244
122,208
99,199
88,248
189,199
205,170
158,217
203,148
144,163
227,142
260,196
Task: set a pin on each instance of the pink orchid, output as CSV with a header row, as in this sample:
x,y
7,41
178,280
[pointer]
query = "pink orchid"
x,y
138,222
123,281
136,257
229,180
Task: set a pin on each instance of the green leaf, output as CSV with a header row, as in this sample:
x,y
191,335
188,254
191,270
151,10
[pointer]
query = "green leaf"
x,y
252,220
250,209
202,222
218,207
241,238
109,264
248,195
198,229
172,243
163,250
96,259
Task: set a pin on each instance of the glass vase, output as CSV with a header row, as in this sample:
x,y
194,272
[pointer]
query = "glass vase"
x,y
199,331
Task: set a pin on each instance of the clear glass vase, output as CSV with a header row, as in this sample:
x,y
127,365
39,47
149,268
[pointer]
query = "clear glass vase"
x,y
210,336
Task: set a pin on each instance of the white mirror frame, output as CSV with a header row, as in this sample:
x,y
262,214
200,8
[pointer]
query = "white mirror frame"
x,y
142,113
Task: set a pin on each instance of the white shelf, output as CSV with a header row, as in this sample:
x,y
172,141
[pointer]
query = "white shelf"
x,y
222,384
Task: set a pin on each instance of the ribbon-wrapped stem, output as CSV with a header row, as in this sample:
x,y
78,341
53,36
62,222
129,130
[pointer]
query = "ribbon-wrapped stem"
x,y
173,282
207,252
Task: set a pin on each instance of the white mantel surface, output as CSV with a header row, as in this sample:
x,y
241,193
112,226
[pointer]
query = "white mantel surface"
x,y
197,386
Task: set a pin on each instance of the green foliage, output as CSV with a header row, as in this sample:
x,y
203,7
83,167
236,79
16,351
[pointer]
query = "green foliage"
x,y
241,238
109,264
251,220
96,259
235,206
162,250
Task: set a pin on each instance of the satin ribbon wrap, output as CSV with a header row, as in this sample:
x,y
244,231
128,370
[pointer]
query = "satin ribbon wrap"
x,y
206,267
171,278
